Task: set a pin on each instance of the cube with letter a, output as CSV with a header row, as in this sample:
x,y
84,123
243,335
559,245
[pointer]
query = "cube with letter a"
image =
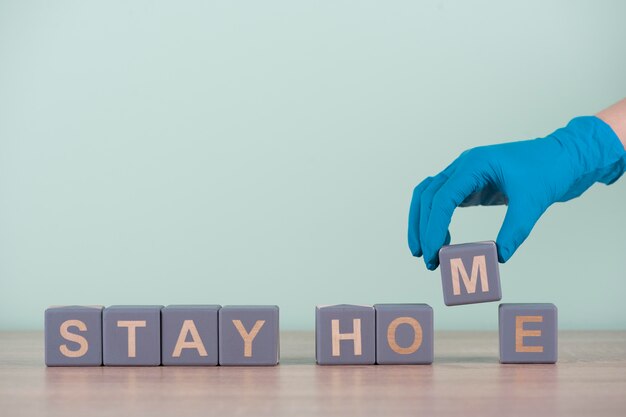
x,y
73,336
345,335
189,335
469,273
528,333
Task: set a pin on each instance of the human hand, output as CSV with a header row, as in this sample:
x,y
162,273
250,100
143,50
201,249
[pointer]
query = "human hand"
x,y
528,176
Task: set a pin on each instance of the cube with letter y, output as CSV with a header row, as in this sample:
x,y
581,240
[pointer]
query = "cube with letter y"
x,y
248,335
132,335
345,335
469,273
528,333
73,336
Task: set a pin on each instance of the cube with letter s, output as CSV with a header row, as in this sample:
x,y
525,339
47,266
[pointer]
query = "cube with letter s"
x,y
73,336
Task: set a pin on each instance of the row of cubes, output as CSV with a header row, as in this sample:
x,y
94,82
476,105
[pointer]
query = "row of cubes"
x,y
154,335
403,334
249,335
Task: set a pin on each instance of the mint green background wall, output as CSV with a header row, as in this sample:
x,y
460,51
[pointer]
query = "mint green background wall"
x,y
265,152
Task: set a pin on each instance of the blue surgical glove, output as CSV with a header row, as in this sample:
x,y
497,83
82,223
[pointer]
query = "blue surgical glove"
x,y
528,176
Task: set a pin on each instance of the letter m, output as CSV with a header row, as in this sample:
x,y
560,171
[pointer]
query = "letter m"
x,y
479,267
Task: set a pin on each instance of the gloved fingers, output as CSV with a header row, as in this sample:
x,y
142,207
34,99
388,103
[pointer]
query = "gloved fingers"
x,y
520,219
414,218
427,200
452,193
448,238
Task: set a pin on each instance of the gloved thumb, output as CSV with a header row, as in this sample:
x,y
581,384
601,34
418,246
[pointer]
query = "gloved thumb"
x,y
519,221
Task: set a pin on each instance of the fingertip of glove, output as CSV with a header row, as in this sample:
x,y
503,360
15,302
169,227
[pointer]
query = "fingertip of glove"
x,y
432,264
503,254
415,247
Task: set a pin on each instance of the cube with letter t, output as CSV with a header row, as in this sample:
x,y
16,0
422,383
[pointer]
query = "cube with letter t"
x,y
73,336
469,273
248,335
132,335
528,333
345,335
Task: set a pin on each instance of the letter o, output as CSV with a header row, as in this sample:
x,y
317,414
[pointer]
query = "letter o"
x,y
391,335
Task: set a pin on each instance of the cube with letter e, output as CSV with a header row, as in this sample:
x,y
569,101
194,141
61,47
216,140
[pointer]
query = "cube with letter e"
x,y
528,333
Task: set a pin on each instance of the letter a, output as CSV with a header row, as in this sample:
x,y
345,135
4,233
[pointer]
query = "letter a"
x,y
189,327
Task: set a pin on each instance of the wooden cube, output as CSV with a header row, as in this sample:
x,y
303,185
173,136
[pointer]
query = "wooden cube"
x,y
73,336
189,335
132,335
345,335
404,334
248,335
470,273
528,333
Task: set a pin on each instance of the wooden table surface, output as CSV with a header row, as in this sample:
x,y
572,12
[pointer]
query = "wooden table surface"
x,y
466,379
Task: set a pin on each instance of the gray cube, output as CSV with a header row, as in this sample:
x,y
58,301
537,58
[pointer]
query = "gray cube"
x,y
469,273
404,334
528,333
189,335
248,335
73,336
132,335
345,335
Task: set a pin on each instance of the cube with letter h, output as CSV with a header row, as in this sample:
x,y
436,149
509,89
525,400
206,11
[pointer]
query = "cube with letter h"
x,y
528,333
73,336
469,273
345,335
248,335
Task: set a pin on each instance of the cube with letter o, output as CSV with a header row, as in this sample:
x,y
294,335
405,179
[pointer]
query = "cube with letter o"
x,y
404,334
